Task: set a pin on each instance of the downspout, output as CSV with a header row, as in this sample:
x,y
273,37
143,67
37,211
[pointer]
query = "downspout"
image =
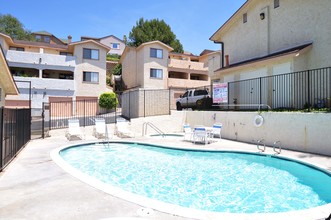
x,y
222,55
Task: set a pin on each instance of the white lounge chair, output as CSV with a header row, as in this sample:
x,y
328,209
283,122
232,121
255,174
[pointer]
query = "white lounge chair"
x,y
99,130
187,132
122,130
74,129
216,130
200,134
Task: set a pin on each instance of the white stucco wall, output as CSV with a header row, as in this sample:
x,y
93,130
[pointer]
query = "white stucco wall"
x,y
307,132
291,24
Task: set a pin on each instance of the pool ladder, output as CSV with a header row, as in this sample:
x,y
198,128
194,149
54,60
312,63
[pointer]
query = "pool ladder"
x,y
107,139
152,126
279,149
260,142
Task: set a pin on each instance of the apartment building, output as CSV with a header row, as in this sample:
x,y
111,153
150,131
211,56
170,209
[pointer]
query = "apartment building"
x,y
271,37
153,65
115,44
49,69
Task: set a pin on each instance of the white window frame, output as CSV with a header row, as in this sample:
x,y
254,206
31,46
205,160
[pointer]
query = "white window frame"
x,y
156,73
158,53
117,46
93,77
93,54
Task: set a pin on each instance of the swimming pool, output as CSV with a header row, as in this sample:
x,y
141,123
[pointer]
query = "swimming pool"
x,y
221,182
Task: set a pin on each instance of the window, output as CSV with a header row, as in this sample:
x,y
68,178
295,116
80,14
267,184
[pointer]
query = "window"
x,y
276,3
200,92
157,53
16,48
245,17
66,53
47,39
38,38
92,77
156,73
90,54
115,46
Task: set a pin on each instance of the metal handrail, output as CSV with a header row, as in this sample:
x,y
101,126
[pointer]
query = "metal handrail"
x,y
279,148
152,126
258,145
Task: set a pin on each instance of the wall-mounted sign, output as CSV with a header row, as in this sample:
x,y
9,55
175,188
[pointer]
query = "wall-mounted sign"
x,y
220,93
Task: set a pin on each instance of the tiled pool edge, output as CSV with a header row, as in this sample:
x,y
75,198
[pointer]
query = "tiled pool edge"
x,y
320,212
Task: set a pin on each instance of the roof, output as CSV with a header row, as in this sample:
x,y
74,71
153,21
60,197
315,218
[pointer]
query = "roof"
x,y
228,22
42,33
89,41
292,50
40,44
96,38
8,85
205,51
155,42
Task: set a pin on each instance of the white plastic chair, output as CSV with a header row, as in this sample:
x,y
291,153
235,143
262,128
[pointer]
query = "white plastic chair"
x,y
200,134
216,130
187,132
74,129
122,130
99,130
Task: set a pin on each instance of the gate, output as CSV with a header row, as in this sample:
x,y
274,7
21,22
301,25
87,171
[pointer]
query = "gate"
x,y
56,114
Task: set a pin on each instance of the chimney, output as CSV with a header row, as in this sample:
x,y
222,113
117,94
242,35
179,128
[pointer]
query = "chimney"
x,y
226,60
69,39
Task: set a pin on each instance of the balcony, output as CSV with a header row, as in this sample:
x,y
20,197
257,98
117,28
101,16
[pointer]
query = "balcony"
x,y
188,65
186,83
40,60
48,84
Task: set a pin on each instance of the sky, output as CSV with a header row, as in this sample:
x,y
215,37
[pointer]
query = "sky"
x,y
192,21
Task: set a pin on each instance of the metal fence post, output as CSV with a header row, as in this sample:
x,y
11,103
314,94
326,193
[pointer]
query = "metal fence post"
x,y
144,103
1,138
43,121
169,100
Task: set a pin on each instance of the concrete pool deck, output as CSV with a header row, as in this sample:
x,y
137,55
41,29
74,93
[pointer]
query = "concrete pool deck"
x,y
34,187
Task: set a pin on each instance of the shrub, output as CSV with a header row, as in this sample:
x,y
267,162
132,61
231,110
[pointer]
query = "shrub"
x,y
108,100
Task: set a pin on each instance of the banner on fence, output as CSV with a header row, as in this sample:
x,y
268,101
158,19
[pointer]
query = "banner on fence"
x,y
220,93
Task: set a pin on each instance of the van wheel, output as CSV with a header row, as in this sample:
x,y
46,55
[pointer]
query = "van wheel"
x,y
178,106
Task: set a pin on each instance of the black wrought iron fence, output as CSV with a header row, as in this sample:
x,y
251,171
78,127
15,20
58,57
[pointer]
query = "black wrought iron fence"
x,y
84,110
292,91
15,132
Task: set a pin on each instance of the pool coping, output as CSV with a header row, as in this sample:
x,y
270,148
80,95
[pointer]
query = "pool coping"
x,y
313,213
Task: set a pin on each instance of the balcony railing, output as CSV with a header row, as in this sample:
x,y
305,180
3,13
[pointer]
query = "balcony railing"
x,y
40,59
186,83
184,64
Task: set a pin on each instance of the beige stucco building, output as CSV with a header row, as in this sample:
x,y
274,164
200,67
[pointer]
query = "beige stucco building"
x,y
7,84
115,44
57,70
265,38
153,65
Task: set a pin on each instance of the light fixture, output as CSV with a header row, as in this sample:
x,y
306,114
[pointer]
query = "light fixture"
x,y
262,16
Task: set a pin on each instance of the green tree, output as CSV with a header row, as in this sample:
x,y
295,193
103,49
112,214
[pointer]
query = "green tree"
x,y
108,100
14,28
117,69
155,29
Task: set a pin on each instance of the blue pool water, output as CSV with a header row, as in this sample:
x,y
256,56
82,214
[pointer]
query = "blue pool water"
x,y
213,181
